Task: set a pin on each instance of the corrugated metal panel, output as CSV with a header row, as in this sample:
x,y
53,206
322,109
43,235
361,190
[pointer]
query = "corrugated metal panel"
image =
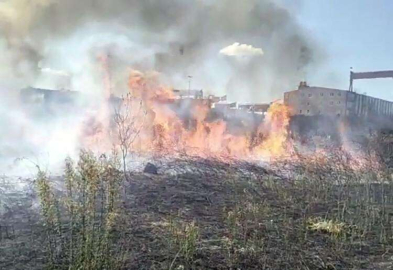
x,y
372,75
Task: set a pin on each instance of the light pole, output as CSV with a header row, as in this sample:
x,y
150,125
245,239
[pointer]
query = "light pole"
x,y
189,85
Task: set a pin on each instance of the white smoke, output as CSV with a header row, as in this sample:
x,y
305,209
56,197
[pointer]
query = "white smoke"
x,y
175,37
57,44
55,72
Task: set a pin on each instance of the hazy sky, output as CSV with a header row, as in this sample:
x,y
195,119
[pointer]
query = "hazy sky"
x,y
354,33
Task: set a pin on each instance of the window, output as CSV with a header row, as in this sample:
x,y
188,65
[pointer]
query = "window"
x,y
309,95
331,103
321,94
300,111
338,102
308,103
339,94
331,94
308,111
302,94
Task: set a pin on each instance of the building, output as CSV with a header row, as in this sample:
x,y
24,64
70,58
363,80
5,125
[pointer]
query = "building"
x,y
46,97
311,100
216,99
223,106
40,96
182,94
45,103
255,108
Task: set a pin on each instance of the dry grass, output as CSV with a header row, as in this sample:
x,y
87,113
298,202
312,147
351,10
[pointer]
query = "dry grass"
x,y
327,226
325,214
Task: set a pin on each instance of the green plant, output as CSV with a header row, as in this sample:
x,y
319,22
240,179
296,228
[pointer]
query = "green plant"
x,y
184,238
83,236
52,223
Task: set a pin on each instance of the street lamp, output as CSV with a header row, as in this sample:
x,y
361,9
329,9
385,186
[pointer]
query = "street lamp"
x,y
189,85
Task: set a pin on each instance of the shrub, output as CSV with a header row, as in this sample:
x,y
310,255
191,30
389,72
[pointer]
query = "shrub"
x,y
80,223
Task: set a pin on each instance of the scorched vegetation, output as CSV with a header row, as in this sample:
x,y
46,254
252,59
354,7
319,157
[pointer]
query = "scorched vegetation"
x,y
321,212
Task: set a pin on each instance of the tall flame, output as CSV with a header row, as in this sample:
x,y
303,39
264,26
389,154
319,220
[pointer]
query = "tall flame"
x,y
277,125
168,131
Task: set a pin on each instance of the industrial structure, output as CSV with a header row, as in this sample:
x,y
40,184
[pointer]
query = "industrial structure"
x,y
258,108
312,100
368,75
305,100
48,97
184,94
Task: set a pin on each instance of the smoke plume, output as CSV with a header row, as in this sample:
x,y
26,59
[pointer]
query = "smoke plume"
x,y
59,44
175,37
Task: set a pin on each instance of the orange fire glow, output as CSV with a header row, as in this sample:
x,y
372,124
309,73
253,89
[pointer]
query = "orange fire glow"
x,y
277,125
166,128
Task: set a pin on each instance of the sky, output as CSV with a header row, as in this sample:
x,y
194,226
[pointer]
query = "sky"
x,y
352,33
347,33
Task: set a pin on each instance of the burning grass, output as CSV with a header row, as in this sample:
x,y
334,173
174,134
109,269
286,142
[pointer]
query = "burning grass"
x,y
210,206
153,121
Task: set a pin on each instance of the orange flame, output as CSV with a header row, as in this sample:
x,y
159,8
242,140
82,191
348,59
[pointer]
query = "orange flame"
x,y
166,132
277,125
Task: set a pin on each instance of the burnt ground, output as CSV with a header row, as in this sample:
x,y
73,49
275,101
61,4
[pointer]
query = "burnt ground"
x,y
245,216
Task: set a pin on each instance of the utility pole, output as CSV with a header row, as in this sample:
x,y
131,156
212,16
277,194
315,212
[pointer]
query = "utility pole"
x,y
189,85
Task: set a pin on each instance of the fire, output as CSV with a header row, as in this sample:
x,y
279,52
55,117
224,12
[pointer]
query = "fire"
x,y
277,125
156,123
167,128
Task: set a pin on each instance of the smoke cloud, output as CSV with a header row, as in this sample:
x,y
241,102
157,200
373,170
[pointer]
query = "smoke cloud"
x,y
175,37
58,44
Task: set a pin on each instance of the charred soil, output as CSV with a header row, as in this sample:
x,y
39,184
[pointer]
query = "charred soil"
x,y
204,214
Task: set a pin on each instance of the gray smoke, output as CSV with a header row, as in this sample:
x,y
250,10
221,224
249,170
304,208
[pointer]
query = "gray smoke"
x,y
59,43
175,37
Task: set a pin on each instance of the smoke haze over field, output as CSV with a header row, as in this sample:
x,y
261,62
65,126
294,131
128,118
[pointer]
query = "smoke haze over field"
x,y
58,44
175,37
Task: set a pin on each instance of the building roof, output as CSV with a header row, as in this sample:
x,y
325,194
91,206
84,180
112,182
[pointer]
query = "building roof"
x,y
49,95
256,108
304,86
317,88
